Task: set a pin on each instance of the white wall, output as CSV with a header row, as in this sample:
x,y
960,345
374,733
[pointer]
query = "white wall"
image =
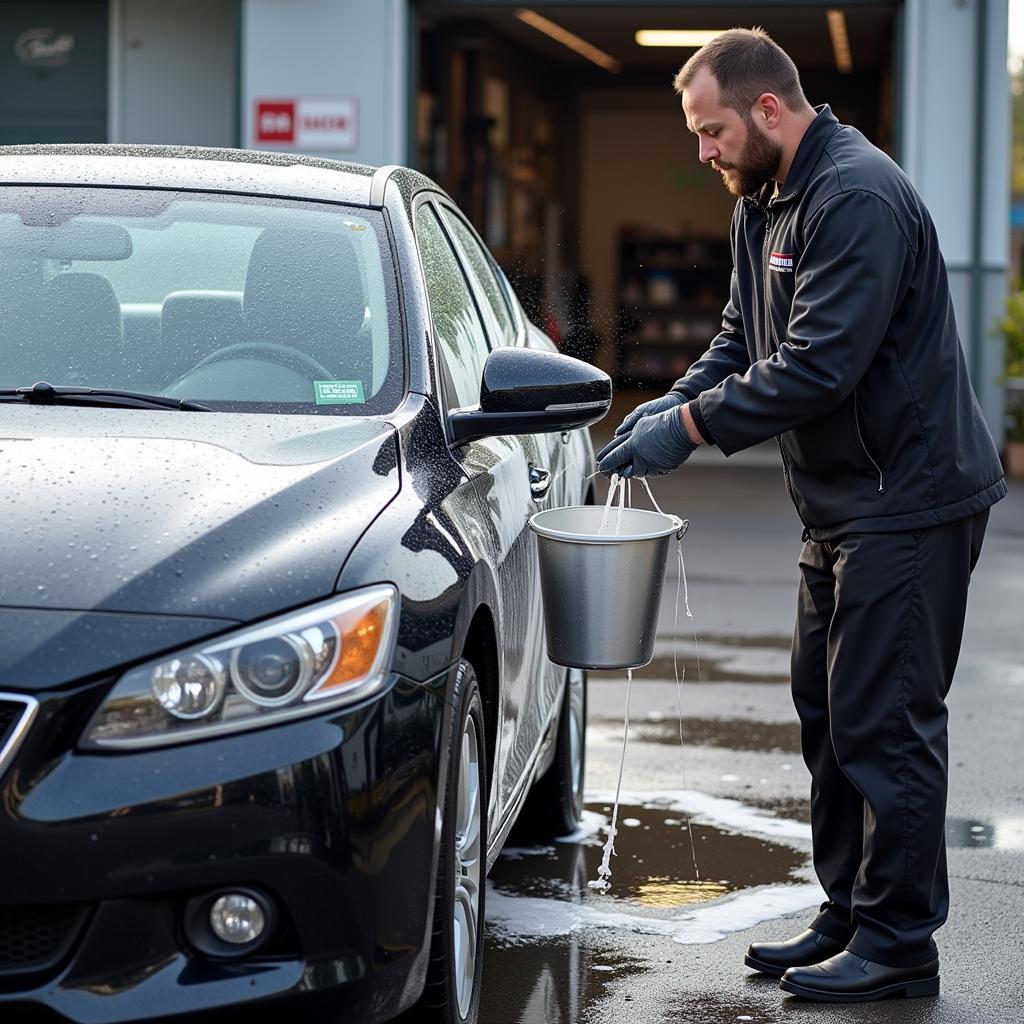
x,y
939,155
357,48
174,72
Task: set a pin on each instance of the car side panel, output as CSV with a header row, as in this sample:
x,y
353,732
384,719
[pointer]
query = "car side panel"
x,y
455,537
424,542
565,470
500,468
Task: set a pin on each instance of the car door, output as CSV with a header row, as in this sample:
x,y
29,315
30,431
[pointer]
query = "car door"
x,y
505,322
498,472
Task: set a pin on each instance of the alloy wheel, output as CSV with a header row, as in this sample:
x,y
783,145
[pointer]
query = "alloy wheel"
x,y
577,695
468,863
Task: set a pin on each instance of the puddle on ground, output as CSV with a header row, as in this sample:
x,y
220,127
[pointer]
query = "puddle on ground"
x,y
770,641
568,978
653,866
794,808
548,982
722,659
555,949
966,833
733,734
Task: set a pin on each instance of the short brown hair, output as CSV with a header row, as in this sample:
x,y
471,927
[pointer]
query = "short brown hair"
x,y
746,62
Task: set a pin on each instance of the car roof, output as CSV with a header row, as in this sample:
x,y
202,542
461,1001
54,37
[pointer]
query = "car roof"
x,y
249,172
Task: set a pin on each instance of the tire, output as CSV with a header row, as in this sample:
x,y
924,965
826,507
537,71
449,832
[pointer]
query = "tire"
x,y
452,991
555,803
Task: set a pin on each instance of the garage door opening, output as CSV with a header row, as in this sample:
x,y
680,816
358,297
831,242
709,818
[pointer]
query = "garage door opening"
x,y
561,137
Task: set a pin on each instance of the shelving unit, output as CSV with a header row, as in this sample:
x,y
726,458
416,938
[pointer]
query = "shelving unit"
x,y
671,294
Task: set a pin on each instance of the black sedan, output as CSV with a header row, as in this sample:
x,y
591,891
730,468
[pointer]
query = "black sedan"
x,y
273,684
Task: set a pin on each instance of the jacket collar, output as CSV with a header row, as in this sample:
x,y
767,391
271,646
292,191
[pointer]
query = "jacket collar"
x,y
807,153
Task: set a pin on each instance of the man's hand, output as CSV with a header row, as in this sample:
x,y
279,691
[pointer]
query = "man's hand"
x,y
657,445
656,405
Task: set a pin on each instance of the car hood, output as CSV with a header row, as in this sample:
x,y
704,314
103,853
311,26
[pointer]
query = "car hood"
x,y
45,648
203,515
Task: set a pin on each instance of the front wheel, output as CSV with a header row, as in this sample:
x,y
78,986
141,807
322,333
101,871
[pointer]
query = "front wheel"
x,y
452,991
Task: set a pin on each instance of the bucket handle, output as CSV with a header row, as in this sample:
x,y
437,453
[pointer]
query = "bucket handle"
x,y
684,526
619,482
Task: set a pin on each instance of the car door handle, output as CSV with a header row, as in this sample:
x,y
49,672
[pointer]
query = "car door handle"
x,y
540,482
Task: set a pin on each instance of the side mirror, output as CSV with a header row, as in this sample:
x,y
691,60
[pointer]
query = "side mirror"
x,y
531,391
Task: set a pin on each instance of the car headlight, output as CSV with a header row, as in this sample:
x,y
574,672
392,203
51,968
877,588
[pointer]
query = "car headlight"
x,y
301,663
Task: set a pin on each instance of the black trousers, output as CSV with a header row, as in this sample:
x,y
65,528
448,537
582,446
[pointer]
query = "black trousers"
x,y
879,622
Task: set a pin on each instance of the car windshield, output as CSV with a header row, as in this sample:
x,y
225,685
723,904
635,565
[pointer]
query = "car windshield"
x,y
240,303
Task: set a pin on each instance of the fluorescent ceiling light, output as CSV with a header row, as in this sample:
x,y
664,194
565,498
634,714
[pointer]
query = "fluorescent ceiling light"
x,y
569,39
840,40
680,38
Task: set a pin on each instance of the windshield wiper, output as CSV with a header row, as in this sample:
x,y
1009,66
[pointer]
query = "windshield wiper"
x,y
43,393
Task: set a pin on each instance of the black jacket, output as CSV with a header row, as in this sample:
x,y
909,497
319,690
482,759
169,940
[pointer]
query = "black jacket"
x,y
839,339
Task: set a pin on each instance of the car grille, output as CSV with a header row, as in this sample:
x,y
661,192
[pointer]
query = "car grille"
x,y
9,715
16,712
36,938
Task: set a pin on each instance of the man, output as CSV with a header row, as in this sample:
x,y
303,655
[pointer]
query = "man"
x,y
839,340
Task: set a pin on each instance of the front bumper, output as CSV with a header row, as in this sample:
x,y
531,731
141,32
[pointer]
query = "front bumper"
x,y
334,817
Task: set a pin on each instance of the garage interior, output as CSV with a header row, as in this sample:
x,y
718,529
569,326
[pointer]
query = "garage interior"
x,y
561,137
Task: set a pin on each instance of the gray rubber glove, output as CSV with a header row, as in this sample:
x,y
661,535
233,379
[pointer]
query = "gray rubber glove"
x,y
657,445
669,401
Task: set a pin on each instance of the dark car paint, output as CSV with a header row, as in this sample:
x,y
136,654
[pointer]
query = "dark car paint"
x,y
50,648
331,815
170,513
502,464
456,539
448,524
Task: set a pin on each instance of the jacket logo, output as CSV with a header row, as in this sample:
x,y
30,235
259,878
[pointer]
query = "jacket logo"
x,y
781,261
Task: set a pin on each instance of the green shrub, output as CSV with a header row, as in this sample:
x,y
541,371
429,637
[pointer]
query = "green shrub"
x,y
1011,327
1014,414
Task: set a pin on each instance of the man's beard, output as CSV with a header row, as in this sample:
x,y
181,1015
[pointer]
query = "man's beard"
x,y
756,165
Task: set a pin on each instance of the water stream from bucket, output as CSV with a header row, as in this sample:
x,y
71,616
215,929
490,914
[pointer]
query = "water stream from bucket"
x,y
604,872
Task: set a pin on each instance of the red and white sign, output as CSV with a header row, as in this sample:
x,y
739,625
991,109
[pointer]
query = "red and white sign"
x,y
312,122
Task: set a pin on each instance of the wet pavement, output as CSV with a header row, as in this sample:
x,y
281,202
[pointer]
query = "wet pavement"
x,y
555,980
661,946
970,834
554,930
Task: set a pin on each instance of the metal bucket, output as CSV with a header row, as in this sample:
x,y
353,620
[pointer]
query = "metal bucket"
x,y
602,591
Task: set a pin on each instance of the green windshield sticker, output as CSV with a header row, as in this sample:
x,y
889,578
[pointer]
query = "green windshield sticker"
x,y
338,392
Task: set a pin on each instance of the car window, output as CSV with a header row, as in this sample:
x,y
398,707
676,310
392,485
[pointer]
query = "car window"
x,y
479,266
457,323
241,303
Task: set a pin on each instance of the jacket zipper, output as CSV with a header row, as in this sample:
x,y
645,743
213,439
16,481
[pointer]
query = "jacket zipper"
x,y
860,436
768,352
789,483
765,281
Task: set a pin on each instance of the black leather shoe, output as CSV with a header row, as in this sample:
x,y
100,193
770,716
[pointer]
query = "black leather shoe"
x,y
809,947
848,978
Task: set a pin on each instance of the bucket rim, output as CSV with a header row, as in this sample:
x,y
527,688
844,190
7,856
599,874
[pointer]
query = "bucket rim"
x,y
674,526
